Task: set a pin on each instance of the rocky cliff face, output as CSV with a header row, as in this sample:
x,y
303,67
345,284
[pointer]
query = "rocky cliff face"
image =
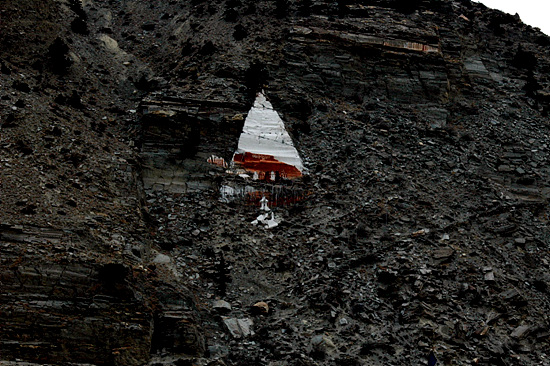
x,y
421,226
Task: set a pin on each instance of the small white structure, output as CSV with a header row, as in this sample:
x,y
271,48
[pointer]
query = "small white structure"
x,y
269,223
264,204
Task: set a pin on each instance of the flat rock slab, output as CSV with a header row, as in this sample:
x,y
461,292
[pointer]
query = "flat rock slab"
x,y
443,253
520,331
162,258
239,328
221,306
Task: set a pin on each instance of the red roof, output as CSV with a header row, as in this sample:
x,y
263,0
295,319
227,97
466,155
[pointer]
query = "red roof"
x,y
265,164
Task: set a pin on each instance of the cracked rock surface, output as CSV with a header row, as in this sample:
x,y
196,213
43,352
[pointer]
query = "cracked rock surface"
x,y
421,225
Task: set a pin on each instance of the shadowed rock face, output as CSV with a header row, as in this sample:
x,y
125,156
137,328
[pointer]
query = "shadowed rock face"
x,y
422,224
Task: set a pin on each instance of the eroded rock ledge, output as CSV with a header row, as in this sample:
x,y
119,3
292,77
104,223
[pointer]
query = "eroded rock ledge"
x,y
423,127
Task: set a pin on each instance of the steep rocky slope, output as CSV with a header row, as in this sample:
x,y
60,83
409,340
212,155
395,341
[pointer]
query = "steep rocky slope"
x,y
422,224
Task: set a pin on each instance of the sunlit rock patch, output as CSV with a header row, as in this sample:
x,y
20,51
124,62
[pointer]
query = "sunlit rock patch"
x,y
266,163
265,148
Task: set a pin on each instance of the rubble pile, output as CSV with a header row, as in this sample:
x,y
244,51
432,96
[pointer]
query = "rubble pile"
x,y
417,233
